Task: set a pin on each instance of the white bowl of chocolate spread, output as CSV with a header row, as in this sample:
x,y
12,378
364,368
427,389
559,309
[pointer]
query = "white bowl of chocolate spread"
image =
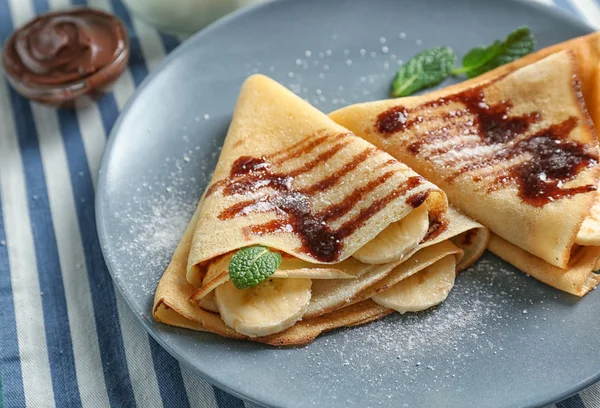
x,y
60,56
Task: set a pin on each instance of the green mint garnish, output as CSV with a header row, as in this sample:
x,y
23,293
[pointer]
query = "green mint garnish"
x,y
426,69
432,66
252,265
482,59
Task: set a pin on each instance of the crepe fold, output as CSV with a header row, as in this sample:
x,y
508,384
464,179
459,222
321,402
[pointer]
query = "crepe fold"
x,y
518,152
355,281
464,239
331,203
585,50
172,306
291,179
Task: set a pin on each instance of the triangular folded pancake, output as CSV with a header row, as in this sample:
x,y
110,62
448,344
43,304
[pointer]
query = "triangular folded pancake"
x,y
585,49
286,164
291,179
517,152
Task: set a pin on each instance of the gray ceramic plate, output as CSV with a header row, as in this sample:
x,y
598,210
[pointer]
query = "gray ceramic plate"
x,y
502,339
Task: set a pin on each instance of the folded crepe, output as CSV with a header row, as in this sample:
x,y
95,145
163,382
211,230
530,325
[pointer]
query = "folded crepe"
x,y
291,179
335,207
585,50
422,281
517,152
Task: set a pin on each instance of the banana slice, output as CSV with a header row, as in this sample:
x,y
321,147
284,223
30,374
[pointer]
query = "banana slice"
x,y
422,290
267,308
209,303
589,233
397,240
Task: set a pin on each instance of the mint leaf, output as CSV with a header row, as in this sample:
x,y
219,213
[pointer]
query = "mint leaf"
x,y
426,69
252,265
478,57
482,59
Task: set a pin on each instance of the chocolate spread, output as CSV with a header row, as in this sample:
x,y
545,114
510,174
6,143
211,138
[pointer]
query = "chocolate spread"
x,y
82,47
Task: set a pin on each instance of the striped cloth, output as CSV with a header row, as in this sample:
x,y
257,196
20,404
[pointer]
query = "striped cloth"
x,y
67,338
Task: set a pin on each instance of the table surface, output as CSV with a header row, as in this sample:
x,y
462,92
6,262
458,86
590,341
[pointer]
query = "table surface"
x,y
67,339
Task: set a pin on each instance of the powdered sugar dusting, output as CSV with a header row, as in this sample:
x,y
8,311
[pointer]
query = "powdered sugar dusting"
x,y
432,350
155,235
437,331
372,72
157,218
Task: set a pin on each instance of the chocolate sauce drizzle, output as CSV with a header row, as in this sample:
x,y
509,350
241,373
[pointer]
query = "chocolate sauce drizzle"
x,y
274,191
550,159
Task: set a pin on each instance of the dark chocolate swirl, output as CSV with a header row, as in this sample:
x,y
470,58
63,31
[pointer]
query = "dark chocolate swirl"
x,y
64,47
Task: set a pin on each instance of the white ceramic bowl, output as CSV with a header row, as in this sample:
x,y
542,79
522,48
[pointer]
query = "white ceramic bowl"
x,y
183,17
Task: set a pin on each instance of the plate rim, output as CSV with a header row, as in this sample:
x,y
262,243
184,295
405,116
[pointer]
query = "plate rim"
x,y
150,327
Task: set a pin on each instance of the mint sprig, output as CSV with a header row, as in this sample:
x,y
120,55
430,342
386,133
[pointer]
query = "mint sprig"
x,y
432,66
426,69
482,59
252,265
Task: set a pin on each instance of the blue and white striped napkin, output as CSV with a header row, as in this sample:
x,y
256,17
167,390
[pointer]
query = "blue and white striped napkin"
x,y
67,339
